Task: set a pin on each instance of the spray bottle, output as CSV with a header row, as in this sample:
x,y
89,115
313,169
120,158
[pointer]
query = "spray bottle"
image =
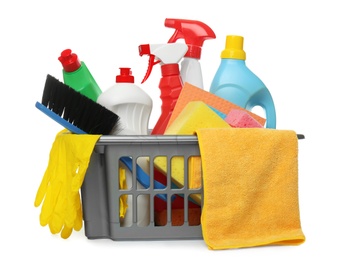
x,y
194,33
77,76
133,106
168,56
235,82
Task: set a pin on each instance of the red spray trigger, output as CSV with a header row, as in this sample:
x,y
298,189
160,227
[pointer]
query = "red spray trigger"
x,y
194,32
144,49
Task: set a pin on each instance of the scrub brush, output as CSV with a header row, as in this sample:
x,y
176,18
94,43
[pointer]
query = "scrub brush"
x,y
74,111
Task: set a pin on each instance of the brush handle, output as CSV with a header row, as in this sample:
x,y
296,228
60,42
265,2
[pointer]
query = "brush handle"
x,y
59,119
143,177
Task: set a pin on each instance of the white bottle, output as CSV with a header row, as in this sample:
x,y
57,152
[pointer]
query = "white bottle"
x,y
130,102
133,106
191,72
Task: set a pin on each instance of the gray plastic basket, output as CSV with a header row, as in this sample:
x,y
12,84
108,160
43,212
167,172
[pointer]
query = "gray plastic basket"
x,y
100,191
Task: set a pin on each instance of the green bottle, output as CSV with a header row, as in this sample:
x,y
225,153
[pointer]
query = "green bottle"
x,y
77,76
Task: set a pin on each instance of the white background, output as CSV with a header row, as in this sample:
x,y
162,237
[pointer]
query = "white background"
x,y
295,47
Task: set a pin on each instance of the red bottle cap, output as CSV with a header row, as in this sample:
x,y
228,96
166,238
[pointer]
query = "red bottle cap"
x,y
69,60
125,76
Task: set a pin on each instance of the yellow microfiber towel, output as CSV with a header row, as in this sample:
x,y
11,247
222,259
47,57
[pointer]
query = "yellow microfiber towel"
x,y
250,182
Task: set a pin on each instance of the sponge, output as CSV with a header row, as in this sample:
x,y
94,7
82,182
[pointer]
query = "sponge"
x,y
195,115
177,217
191,93
239,118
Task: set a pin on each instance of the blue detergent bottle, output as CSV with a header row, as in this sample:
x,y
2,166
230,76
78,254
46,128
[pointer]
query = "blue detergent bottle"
x,y
235,82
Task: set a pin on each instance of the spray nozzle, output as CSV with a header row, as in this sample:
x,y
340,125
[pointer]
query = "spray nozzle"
x,y
69,60
144,49
193,32
168,53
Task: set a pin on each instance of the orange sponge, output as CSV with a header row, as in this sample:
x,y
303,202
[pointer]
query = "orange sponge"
x,y
192,93
177,217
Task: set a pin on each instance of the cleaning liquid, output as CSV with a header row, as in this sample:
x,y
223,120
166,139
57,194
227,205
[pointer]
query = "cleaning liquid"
x,y
168,56
194,33
235,82
77,75
133,106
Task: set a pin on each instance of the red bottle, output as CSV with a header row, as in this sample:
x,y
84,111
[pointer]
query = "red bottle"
x,y
168,56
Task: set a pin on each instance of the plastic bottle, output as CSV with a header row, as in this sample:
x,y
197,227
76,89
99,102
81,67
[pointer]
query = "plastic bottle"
x,y
130,102
168,56
194,33
235,82
77,76
134,107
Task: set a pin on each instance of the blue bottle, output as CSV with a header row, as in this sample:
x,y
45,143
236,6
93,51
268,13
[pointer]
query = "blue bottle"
x,y
235,82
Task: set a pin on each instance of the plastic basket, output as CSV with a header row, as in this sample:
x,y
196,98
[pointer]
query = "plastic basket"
x,y
101,191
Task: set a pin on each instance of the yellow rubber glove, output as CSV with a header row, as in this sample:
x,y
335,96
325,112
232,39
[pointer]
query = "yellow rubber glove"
x,y
123,200
59,189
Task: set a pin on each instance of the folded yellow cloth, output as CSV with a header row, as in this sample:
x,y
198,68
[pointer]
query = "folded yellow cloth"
x,y
68,161
250,182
